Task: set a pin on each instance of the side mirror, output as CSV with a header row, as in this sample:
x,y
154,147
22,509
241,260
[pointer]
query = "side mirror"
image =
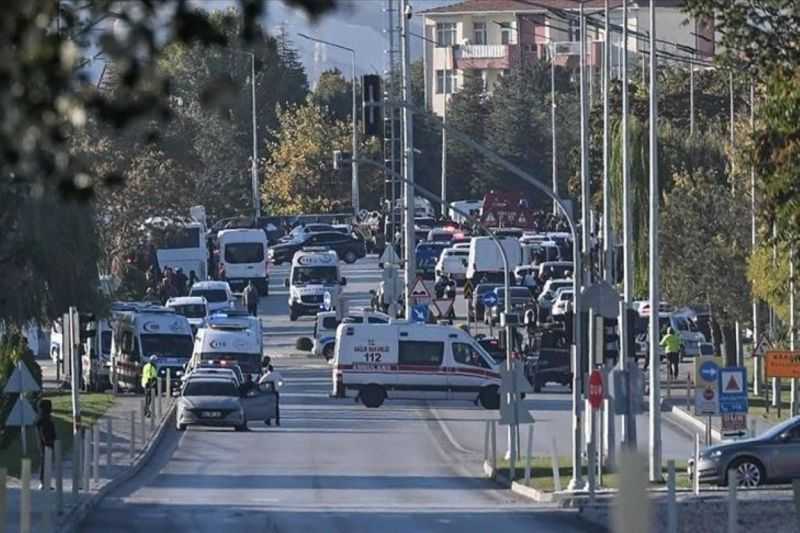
x,y
286,283
343,281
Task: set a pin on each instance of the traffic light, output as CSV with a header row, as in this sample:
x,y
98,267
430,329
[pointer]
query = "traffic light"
x,y
373,105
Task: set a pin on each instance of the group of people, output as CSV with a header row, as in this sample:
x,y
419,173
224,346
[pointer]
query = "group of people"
x,y
171,283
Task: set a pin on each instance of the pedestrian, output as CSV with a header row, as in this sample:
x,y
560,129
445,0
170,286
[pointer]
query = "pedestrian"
x,y
274,380
149,377
47,435
250,297
192,278
672,346
180,282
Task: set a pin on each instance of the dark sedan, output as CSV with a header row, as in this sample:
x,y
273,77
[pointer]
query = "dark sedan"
x,y
772,457
347,247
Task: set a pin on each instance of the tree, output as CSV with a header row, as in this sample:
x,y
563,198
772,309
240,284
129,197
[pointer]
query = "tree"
x,y
334,94
300,177
768,271
705,236
467,112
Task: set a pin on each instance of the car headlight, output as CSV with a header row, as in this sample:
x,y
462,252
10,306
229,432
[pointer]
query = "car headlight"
x,y
715,454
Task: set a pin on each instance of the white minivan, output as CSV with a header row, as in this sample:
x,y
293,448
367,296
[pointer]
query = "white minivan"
x,y
314,282
485,262
375,362
243,258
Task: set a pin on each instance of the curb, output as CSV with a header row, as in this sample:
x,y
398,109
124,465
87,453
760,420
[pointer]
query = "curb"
x,y
70,522
698,424
562,499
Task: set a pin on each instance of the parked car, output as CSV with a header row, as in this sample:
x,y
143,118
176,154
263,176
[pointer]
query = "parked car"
x,y
349,249
772,457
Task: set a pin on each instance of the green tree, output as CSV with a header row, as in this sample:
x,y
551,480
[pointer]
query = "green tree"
x,y
705,235
299,174
467,112
334,94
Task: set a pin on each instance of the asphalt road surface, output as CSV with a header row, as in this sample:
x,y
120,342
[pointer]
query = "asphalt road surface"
x,y
333,465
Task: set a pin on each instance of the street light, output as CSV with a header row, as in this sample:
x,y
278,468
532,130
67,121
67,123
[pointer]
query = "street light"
x,y
253,163
354,183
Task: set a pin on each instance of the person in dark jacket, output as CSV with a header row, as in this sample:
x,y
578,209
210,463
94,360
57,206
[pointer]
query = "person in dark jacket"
x,y
250,297
47,435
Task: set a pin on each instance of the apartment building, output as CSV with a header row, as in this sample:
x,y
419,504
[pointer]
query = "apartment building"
x,y
491,36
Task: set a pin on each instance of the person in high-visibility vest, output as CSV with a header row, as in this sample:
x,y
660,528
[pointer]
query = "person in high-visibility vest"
x,y
149,377
672,346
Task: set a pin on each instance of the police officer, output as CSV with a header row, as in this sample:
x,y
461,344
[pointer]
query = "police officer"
x,y
273,379
149,377
672,346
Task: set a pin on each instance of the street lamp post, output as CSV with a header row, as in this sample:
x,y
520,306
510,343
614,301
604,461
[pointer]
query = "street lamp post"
x,y
354,183
254,161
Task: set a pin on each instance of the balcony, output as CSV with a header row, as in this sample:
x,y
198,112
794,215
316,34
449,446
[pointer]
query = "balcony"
x,y
483,56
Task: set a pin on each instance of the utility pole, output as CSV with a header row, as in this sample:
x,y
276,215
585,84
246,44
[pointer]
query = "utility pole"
x,y
254,166
408,155
756,337
793,383
553,108
444,135
628,421
691,95
607,253
655,288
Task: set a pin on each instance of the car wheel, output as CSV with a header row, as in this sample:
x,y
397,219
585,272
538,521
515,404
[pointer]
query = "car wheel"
x,y
181,427
489,398
327,351
242,427
749,471
373,396
350,257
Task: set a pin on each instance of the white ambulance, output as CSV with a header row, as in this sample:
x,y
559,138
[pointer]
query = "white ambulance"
x,y
228,344
324,335
314,283
243,258
374,362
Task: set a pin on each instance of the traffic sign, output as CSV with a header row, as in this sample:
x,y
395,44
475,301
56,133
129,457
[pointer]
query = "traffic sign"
x,y
514,381
733,390
21,381
443,307
22,414
419,313
734,424
783,364
706,391
468,289
489,299
420,292
596,389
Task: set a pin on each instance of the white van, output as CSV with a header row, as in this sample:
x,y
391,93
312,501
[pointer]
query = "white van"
x,y
194,308
324,336
485,261
243,258
96,357
147,331
374,362
314,282
237,319
228,345
453,262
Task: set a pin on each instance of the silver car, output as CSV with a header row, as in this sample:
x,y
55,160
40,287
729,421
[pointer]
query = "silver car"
x,y
772,457
210,401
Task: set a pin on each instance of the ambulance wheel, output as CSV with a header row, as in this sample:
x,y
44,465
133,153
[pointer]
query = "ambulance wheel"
x,y
490,398
372,396
327,351
350,257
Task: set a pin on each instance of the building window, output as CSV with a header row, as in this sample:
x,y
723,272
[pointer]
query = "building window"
x,y
446,83
445,34
505,36
479,33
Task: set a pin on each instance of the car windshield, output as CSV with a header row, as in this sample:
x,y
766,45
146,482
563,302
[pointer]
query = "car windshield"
x,y
774,431
681,324
191,310
318,274
211,295
244,252
210,388
167,345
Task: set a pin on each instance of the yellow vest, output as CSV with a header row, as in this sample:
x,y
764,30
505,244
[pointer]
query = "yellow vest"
x,y
148,372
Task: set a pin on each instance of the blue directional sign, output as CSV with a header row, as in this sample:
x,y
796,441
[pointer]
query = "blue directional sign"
x,y
419,313
733,390
709,371
489,299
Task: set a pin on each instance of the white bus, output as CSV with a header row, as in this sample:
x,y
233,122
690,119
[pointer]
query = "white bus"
x,y
180,245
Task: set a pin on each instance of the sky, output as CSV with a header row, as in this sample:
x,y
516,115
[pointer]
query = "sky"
x,y
357,24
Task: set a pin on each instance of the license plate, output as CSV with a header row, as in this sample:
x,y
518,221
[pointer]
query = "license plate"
x,y
210,414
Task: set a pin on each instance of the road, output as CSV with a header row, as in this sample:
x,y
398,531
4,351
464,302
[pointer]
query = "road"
x,y
333,465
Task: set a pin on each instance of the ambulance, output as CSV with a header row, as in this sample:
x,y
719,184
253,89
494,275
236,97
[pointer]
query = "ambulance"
x,y
227,343
404,360
324,335
314,282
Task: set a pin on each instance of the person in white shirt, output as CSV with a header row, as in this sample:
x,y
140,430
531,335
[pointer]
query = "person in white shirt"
x,y
272,378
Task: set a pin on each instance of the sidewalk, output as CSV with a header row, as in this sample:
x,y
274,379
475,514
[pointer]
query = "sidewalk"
x,y
123,465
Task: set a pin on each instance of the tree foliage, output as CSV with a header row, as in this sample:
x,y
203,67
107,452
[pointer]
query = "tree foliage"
x,y
467,112
768,271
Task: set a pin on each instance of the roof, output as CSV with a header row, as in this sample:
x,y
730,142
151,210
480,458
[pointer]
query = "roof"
x,y
532,6
205,285
186,300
